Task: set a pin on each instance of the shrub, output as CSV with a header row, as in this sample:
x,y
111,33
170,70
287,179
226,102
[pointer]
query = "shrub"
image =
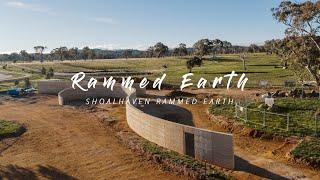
x,y
50,73
308,151
43,70
16,82
27,83
10,129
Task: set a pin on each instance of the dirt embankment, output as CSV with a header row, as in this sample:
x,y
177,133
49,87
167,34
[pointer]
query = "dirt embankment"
x,y
66,143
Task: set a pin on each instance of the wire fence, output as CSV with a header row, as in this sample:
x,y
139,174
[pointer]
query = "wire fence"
x,y
281,123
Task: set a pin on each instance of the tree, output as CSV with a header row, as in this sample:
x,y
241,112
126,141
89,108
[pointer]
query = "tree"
x,y
216,46
14,57
306,54
202,47
150,51
269,46
160,49
91,54
182,49
85,52
301,18
226,46
43,71
280,48
191,63
175,52
127,53
243,59
16,82
61,52
73,53
50,73
24,55
253,48
303,25
39,50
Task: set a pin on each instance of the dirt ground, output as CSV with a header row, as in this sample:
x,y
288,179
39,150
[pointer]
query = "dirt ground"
x,y
4,76
255,158
66,143
70,142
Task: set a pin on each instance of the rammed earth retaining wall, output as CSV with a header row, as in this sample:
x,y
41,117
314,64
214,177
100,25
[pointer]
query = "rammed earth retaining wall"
x,y
210,146
55,86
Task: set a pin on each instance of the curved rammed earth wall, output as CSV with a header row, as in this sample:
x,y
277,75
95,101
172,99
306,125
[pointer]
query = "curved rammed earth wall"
x,y
210,146
52,86
68,95
55,86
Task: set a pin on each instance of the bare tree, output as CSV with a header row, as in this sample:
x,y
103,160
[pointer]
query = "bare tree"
x,y
243,59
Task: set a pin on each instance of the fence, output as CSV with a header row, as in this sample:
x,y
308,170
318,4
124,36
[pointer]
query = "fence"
x,y
279,123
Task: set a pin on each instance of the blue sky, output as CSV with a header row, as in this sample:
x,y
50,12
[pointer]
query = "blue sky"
x,y
115,24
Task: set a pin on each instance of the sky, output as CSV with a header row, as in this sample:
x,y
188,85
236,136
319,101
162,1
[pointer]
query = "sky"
x,y
138,24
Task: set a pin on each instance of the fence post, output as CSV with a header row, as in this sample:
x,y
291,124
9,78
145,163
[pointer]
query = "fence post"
x,y
246,117
288,118
316,125
235,108
264,118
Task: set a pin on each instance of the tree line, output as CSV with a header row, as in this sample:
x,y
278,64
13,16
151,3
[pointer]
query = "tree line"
x,y
200,48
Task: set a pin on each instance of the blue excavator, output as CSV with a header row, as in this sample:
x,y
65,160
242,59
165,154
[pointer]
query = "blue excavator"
x,y
18,92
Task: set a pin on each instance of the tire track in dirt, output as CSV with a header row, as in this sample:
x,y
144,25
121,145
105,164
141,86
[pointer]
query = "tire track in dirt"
x,y
65,141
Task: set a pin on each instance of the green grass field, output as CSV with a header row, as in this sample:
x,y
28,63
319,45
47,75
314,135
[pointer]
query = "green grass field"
x,y
259,67
301,113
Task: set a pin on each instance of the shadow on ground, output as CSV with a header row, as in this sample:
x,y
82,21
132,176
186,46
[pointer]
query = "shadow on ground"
x,y
21,173
237,72
222,59
245,166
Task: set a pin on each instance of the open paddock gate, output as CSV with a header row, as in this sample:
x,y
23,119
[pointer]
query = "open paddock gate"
x,y
278,123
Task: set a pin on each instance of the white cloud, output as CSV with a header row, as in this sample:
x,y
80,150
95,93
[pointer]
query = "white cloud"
x,y
28,6
16,4
106,20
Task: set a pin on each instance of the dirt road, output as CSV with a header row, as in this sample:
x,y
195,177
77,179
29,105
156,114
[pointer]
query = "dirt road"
x,y
65,143
4,76
254,158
